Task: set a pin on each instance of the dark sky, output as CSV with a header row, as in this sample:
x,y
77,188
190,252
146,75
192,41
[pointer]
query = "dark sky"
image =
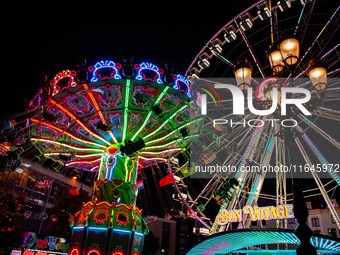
x,y
47,38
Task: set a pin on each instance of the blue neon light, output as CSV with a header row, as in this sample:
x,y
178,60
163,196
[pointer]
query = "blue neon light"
x,y
75,228
109,170
104,64
96,228
122,231
178,78
148,66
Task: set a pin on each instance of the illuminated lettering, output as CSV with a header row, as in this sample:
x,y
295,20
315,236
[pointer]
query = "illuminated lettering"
x,y
272,213
248,209
280,212
256,213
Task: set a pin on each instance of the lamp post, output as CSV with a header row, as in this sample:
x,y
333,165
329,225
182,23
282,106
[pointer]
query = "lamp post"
x,y
275,58
243,72
290,50
318,74
283,54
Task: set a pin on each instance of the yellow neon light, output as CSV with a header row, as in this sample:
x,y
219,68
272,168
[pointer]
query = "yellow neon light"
x,y
66,145
255,213
82,162
67,133
152,158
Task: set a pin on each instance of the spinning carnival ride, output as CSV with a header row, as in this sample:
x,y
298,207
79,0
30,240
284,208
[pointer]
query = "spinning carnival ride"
x,y
112,119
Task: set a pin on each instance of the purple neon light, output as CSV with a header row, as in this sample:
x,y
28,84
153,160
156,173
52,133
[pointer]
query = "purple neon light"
x,y
326,54
319,34
251,52
330,51
336,70
211,250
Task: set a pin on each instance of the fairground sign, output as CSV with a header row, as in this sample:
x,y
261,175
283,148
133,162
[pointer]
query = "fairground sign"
x,y
256,213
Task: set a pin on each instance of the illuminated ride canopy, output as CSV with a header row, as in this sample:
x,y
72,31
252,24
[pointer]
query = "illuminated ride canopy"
x,y
99,119
236,241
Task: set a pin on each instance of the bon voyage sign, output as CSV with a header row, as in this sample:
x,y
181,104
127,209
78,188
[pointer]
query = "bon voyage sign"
x,y
255,213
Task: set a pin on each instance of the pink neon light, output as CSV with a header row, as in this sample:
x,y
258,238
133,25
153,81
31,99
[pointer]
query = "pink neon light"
x,y
215,248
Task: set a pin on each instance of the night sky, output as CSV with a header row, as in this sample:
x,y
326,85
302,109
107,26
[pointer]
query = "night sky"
x,y
47,38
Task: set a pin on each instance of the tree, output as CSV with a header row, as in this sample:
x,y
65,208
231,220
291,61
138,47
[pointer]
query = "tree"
x,y
151,244
68,206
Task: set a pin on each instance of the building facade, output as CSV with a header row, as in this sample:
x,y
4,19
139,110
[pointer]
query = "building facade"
x,y
165,230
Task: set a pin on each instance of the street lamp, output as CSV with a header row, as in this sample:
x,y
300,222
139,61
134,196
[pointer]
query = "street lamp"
x,y
290,49
318,75
243,72
275,59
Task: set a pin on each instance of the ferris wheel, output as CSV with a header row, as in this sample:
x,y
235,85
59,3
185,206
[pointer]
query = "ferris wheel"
x,y
250,46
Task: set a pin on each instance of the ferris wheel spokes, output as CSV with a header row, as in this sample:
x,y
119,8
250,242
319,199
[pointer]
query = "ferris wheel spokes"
x,y
319,183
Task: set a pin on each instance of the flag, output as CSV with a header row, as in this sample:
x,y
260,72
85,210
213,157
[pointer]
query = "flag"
x,y
8,125
140,185
167,180
75,192
54,218
201,208
27,214
188,170
44,184
4,148
21,168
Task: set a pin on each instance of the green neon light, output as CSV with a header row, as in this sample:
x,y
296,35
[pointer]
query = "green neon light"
x,y
149,114
143,125
165,122
164,145
126,105
164,137
161,95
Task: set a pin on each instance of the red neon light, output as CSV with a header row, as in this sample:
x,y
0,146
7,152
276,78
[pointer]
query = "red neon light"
x,y
101,211
120,221
77,120
94,250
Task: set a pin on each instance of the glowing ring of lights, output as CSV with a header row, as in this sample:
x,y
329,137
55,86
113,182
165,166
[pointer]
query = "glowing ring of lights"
x,y
75,251
117,252
93,250
229,242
